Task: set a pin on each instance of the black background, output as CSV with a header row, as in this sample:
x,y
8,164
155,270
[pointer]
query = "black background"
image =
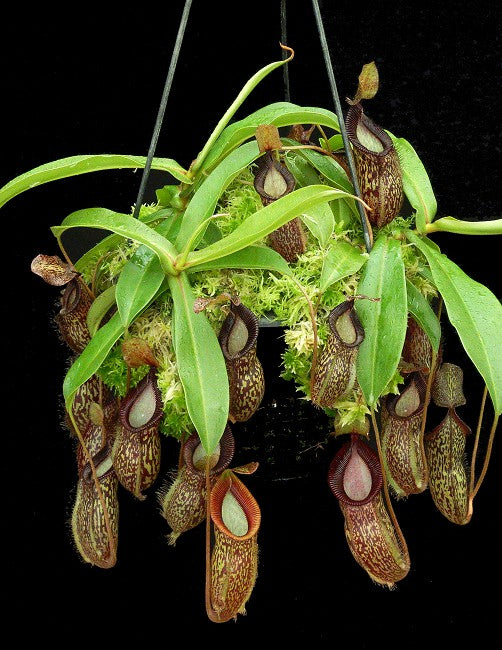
x,y
91,83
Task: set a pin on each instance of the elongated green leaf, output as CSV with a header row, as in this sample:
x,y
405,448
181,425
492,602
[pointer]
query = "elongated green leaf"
x,y
266,220
385,321
112,241
138,282
342,214
201,365
341,260
75,165
327,167
141,278
278,114
475,313
87,363
99,308
320,221
252,257
335,143
416,183
423,314
121,224
203,202
301,170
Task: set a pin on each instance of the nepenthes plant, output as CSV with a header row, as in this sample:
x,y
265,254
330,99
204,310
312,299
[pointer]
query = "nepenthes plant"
x,y
161,321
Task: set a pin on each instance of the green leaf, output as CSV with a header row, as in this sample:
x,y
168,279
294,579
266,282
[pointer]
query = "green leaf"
x,y
121,224
203,202
252,257
201,365
474,312
112,241
301,170
342,214
265,221
385,321
416,183
75,165
320,220
341,260
330,169
88,362
99,308
139,281
278,114
424,315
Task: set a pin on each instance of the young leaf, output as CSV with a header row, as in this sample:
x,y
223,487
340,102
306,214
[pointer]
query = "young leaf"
x,y
301,170
121,224
278,114
341,260
140,279
423,314
252,257
385,321
99,308
416,183
320,220
266,220
75,165
203,202
475,313
330,169
201,365
138,283
342,214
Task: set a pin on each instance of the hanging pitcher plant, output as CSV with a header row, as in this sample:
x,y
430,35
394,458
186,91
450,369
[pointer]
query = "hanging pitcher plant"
x,y
161,319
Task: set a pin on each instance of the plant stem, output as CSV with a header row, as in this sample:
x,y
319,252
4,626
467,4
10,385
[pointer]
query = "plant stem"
x,y
487,456
450,224
476,441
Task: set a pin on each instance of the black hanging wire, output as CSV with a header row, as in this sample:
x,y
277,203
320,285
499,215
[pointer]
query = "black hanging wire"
x,y
162,107
284,41
348,151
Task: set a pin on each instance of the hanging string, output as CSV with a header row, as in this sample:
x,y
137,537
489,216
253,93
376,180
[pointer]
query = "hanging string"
x,y
162,107
338,109
284,41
